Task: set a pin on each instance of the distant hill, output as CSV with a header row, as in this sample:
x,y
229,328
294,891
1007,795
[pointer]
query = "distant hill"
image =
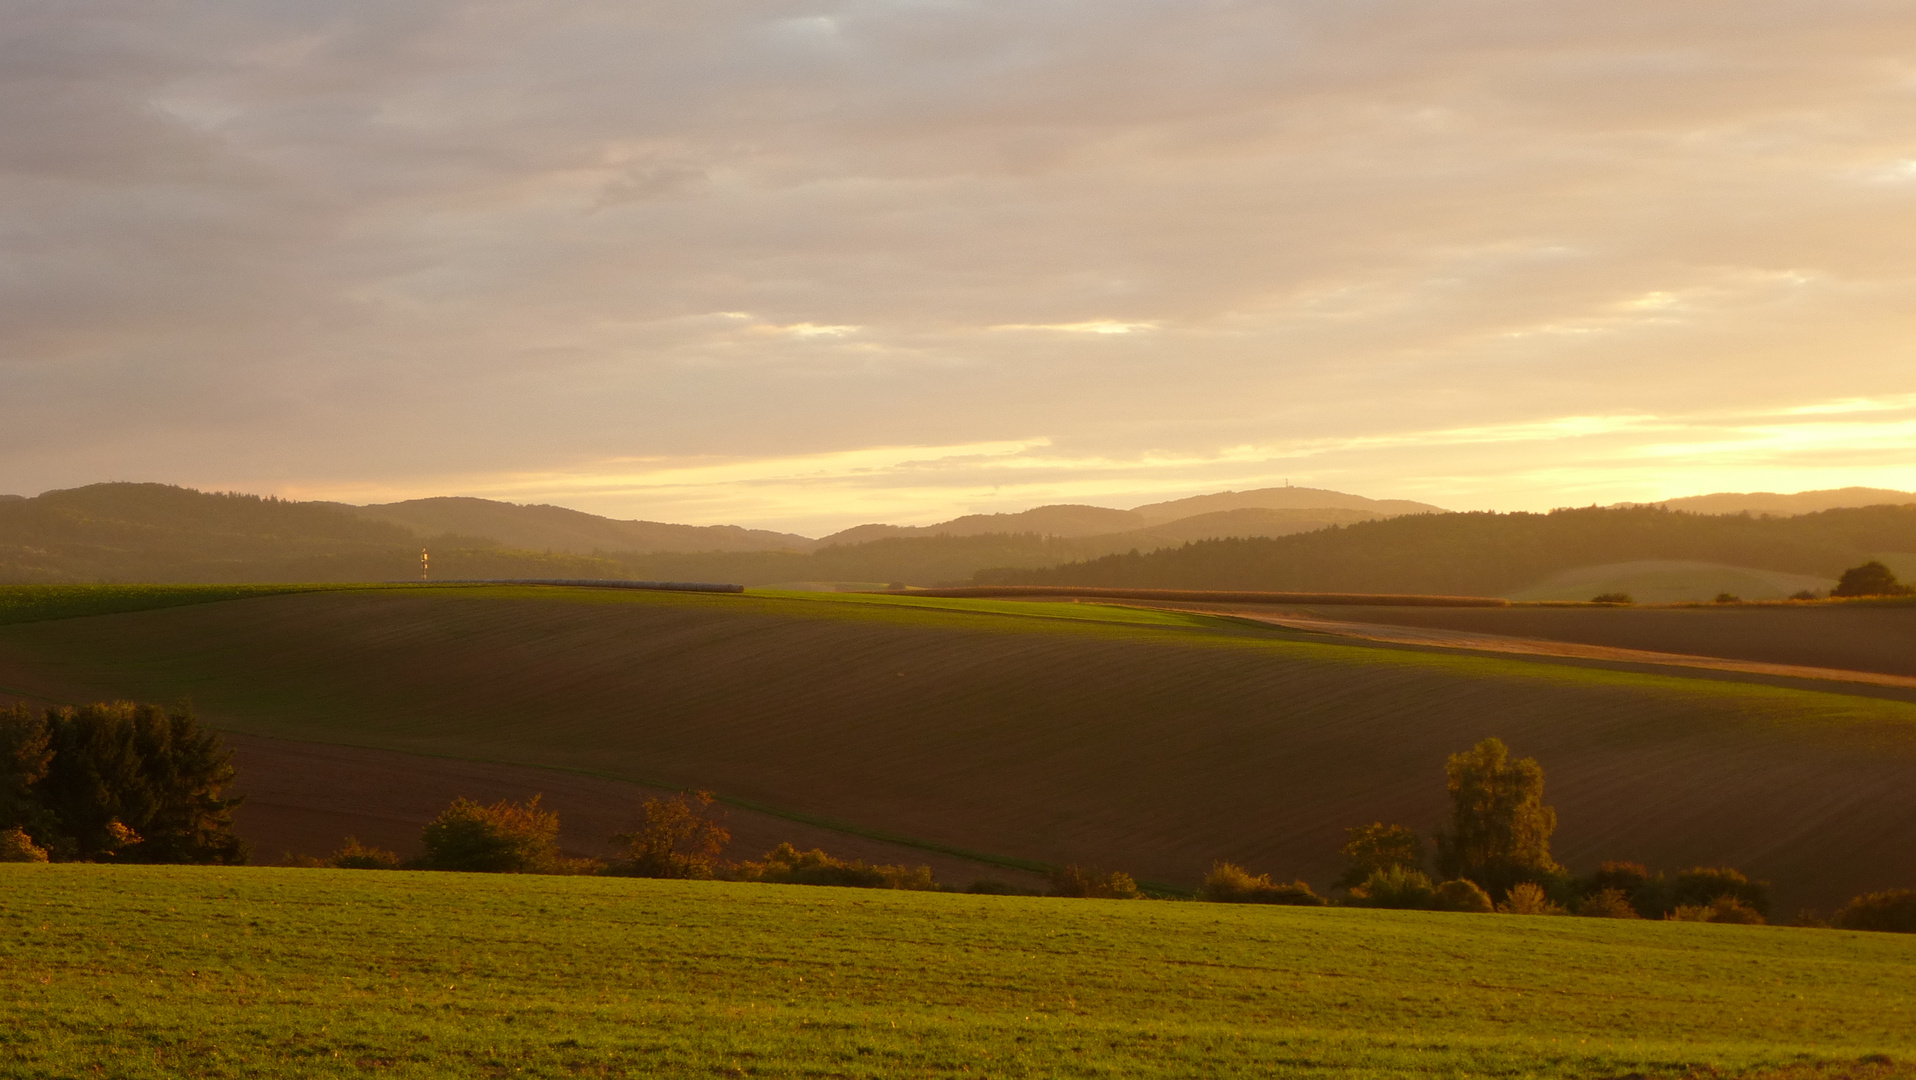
x,y
1802,502
161,533
1064,519
1488,554
556,528
1250,521
1150,521
1280,498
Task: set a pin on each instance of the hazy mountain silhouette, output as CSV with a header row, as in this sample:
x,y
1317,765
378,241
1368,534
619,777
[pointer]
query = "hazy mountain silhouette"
x,y
556,528
1803,502
1280,498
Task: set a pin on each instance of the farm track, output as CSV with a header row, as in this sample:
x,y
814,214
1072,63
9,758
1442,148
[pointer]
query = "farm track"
x,y
1477,641
1154,749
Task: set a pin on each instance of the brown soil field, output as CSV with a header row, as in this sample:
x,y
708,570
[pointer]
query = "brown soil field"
x,y
1153,749
1857,637
303,798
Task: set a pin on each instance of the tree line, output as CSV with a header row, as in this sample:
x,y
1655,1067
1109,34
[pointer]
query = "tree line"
x,y
122,782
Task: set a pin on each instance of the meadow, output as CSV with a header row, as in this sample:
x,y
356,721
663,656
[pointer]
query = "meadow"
x,y
1154,742
230,972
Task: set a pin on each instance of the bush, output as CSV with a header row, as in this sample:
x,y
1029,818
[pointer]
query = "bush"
x,y
1701,886
1893,910
1728,598
357,856
992,887
17,846
1228,883
1613,598
1528,898
677,838
786,865
1396,887
1870,579
504,838
1084,884
1724,909
1378,846
1461,895
1608,904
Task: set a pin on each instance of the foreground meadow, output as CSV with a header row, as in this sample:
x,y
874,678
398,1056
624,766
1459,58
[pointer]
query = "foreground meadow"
x,y
165,971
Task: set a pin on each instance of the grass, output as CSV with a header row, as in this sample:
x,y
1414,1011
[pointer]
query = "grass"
x,y
39,603
1147,741
220,972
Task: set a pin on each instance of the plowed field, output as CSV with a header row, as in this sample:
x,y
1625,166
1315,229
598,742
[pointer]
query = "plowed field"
x,y
1053,732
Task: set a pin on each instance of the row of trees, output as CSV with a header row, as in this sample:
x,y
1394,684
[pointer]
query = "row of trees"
x,y
1494,855
114,782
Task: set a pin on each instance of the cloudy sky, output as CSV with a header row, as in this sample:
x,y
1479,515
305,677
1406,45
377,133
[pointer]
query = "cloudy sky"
x,y
804,265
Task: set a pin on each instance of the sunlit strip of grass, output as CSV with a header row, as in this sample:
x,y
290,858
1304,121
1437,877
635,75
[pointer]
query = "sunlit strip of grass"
x,y
231,972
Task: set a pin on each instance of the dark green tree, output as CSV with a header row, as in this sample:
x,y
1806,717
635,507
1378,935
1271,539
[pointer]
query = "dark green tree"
x,y
1499,833
1870,579
137,783
24,758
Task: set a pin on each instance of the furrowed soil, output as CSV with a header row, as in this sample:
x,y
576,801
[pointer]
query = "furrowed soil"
x,y
221,972
302,799
1147,741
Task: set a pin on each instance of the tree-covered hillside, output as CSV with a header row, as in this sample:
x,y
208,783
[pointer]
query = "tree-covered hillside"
x,y
1487,554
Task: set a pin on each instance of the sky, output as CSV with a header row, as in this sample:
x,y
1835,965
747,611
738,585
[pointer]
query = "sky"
x,y
806,265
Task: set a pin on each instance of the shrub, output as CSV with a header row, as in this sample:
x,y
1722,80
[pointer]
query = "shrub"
x,y
1608,904
1703,885
1396,887
24,759
357,856
1528,898
992,887
504,838
1459,894
1893,910
1728,598
677,838
1724,909
1613,598
1500,829
17,846
1228,883
1870,579
1378,846
1805,594
786,865
1085,884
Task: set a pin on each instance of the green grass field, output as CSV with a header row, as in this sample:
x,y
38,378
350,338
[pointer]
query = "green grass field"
x,y
1149,741
238,972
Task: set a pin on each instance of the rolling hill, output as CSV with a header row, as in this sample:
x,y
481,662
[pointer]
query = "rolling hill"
x,y
1801,502
556,528
1152,741
1484,554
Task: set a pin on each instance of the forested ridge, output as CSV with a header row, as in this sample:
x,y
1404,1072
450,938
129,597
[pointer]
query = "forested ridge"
x,y
1488,554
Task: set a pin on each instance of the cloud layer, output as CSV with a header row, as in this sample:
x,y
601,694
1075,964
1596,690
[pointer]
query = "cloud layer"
x,y
802,265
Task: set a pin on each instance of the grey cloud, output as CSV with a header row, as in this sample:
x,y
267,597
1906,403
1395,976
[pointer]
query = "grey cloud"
x,y
357,239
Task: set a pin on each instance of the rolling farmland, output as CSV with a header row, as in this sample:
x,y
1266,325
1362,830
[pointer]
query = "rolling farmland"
x,y
233,972
1150,741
